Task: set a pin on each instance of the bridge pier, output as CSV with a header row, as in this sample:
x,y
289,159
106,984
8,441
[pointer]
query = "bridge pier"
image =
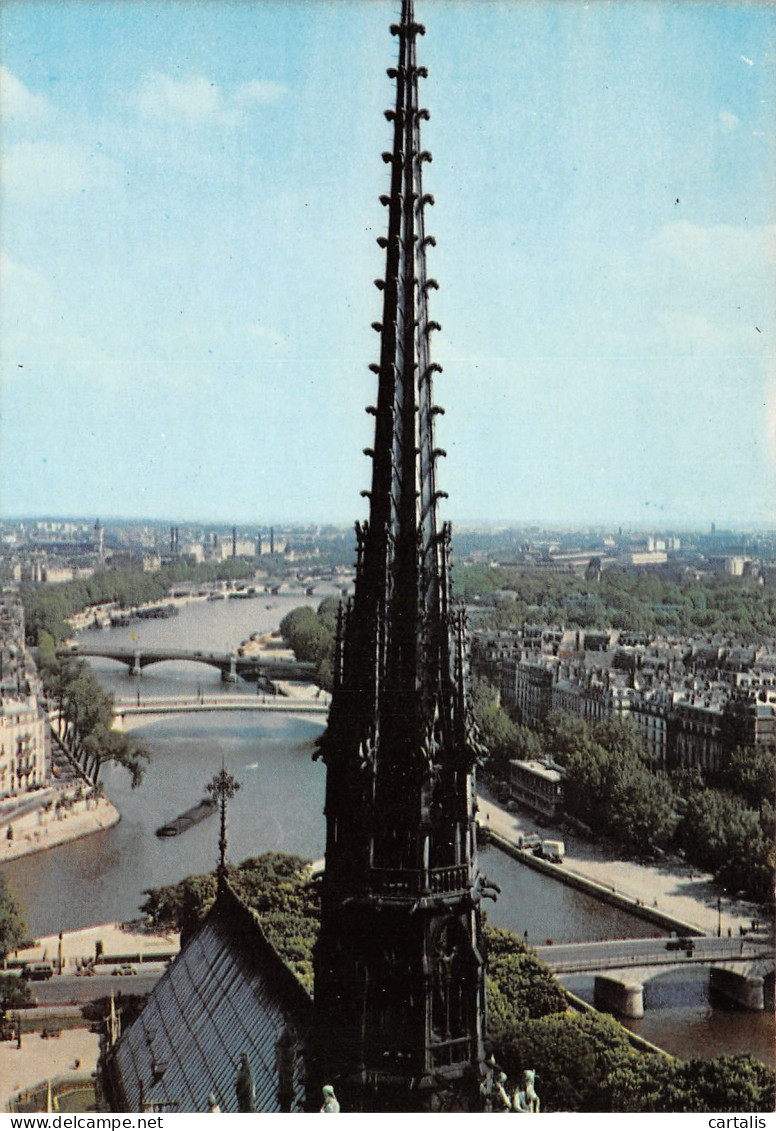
x,y
743,987
136,668
230,676
613,995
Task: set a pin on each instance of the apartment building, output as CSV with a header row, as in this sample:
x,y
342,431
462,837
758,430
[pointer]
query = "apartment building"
x,y
694,702
24,737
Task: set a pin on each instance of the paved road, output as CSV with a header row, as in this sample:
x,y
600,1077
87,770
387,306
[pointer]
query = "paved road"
x,y
64,989
573,957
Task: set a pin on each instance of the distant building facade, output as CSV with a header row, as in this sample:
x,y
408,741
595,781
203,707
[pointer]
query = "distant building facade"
x,y
23,745
24,735
693,701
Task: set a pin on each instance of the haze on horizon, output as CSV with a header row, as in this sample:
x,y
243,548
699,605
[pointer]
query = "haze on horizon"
x,y
189,213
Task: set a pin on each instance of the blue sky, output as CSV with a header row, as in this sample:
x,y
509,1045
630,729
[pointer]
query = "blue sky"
x,y
188,218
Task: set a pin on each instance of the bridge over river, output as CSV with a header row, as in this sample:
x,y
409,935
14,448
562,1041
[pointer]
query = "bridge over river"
x,y
231,665
128,713
740,969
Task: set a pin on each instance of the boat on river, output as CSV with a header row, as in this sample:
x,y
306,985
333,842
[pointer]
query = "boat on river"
x,y
156,612
187,820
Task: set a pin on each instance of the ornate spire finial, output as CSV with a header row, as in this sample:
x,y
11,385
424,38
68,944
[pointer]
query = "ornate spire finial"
x,y
221,788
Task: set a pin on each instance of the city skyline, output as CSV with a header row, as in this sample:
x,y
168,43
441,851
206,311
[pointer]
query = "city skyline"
x,y
189,225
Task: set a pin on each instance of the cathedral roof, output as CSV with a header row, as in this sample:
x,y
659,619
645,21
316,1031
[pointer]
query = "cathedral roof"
x,y
227,993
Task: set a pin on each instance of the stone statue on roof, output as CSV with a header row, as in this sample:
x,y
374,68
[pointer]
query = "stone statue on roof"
x,y
244,1086
330,1101
525,1099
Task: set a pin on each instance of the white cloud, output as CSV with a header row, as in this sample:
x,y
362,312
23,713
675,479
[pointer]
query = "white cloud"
x,y
721,249
19,105
198,101
38,332
713,287
728,121
258,91
44,171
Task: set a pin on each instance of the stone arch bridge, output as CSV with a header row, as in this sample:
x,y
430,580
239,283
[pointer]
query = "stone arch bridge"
x,y
740,969
231,666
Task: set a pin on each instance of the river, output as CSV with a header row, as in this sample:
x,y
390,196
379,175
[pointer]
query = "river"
x,y
279,806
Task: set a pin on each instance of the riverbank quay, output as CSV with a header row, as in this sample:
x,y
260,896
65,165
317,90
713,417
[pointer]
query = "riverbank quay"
x,y
668,893
102,945
600,891
99,616
64,810
38,827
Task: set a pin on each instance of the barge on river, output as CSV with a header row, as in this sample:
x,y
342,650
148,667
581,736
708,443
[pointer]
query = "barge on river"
x,y
188,819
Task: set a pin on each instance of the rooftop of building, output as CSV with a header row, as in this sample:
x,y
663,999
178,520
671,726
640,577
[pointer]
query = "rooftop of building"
x,y
228,993
548,771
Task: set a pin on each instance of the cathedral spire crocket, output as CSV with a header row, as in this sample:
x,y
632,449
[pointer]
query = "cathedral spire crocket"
x,y
399,972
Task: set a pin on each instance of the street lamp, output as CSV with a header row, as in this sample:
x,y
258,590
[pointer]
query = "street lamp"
x,y
719,916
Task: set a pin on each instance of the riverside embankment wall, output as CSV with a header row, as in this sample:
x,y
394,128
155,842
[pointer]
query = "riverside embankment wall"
x,y
590,887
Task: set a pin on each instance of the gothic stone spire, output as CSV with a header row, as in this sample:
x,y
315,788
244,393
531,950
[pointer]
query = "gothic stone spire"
x,y
399,973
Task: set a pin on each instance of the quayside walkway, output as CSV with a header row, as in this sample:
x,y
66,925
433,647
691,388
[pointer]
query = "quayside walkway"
x,y
670,892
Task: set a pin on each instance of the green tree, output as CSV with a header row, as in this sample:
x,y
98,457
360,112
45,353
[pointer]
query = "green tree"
x,y
15,992
573,1055
328,613
312,634
276,886
608,784
13,926
497,733
748,862
710,816
520,987
726,1083
565,734
719,832
86,720
624,598
102,746
87,708
642,809
47,655
750,772
182,906
621,737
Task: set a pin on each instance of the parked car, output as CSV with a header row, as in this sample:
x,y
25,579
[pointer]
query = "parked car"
x,y
38,971
127,969
552,850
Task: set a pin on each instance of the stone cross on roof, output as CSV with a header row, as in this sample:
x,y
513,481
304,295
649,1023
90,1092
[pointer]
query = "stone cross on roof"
x,y
221,789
